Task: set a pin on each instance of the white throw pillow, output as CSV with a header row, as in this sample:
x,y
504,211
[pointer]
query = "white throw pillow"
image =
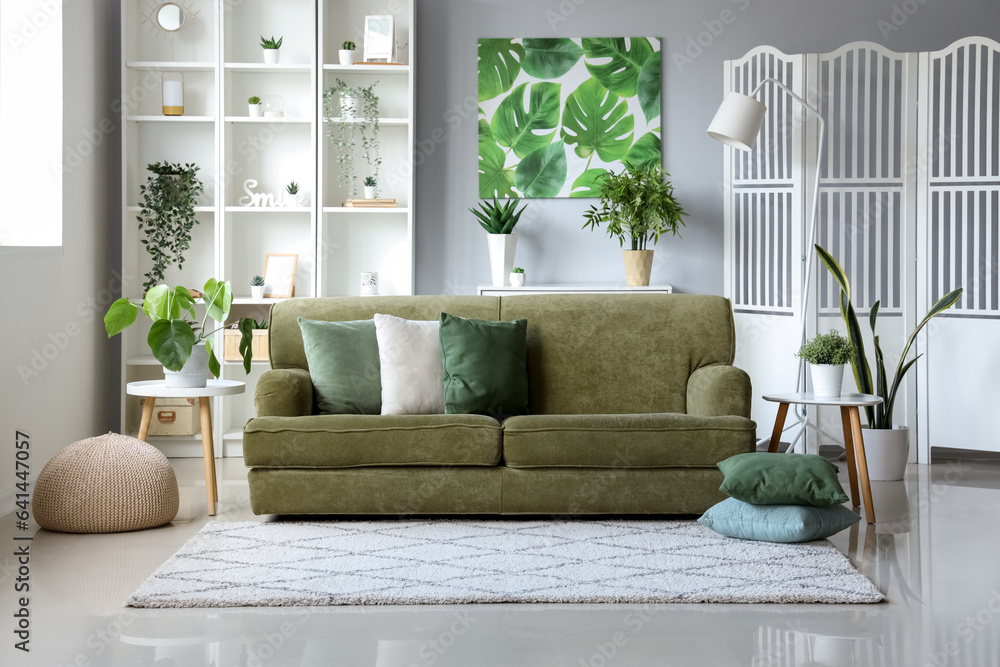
x,y
409,352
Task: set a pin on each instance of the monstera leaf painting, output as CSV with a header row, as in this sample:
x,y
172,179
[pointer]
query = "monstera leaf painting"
x,y
557,114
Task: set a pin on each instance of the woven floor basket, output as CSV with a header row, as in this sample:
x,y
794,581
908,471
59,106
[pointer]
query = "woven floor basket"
x,y
108,484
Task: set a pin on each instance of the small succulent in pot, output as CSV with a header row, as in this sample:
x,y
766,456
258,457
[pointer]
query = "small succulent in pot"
x,y
370,184
517,276
348,45
257,287
257,281
254,105
271,48
347,52
292,188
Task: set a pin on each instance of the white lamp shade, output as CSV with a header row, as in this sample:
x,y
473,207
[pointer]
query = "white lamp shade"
x,y
738,121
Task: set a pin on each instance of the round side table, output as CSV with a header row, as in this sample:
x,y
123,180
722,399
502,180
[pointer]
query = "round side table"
x,y
153,389
850,417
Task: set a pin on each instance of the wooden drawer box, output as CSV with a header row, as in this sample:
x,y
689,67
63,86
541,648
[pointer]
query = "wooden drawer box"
x,y
175,416
231,352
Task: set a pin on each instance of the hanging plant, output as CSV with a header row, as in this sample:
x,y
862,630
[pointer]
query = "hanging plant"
x,y
343,126
167,215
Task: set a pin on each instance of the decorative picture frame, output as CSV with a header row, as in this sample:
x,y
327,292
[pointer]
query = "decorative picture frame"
x,y
279,275
380,38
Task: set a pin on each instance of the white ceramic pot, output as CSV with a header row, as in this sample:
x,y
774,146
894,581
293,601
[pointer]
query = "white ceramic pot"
x,y
348,107
255,110
346,57
502,247
828,380
256,291
516,279
369,192
886,451
369,283
194,373
271,56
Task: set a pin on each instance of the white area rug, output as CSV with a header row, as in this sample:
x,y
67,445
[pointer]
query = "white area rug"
x,y
461,561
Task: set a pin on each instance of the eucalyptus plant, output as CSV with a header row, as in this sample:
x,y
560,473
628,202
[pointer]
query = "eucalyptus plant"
x,y
344,133
167,215
880,416
639,204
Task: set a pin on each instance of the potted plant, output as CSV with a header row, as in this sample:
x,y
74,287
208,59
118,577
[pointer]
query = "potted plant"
x,y
272,49
233,338
257,287
499,221
887,445
827,355
347,52
166,215
344,134
292,190
255,106
177,340
370,183
517,277
639,204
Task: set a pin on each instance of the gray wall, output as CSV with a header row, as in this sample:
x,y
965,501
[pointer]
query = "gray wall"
x,y
451,250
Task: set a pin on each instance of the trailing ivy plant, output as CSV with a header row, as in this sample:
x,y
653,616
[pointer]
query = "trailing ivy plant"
x,y
167,215
345,134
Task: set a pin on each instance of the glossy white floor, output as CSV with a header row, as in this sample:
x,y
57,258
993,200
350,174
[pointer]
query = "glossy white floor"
x,y
935,552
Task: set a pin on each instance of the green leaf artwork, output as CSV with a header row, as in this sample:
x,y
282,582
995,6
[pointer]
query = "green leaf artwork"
x,y
558,114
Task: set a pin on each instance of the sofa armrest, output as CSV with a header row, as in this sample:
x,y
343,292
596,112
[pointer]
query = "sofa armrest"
x,y
714,391
284,392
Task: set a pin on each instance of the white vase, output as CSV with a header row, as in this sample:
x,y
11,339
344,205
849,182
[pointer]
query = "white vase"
x,y
886,451
516,279
502,247
194,373
369,283
256,291
828,380
271,56
369,192
255,110
346,57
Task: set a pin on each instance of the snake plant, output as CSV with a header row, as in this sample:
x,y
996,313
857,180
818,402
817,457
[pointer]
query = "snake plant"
x,y
499,219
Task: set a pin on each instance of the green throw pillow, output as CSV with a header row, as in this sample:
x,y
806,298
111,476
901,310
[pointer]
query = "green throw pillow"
x,y
782,479
485,366
777,523
343,365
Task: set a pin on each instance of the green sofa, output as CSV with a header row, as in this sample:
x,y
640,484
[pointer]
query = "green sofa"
x,y
633,401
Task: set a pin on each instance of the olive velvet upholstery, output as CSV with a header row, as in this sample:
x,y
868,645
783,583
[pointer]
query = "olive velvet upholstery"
x,y
633,401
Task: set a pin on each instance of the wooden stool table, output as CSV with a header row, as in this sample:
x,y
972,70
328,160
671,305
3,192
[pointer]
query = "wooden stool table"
x,y
850,416
153,389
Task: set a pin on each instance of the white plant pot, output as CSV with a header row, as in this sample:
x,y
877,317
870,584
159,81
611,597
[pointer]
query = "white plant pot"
x,y
502,247
255,110
828,380
886,451
346,57
348,107
369,192
256,291
193,375
271,56
516,279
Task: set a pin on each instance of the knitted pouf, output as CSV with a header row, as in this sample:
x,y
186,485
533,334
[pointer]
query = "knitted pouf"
x,y
108,484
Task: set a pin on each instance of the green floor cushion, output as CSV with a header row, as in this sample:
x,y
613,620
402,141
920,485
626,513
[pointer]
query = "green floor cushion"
x,y
624,441
777,523
344,365
782,479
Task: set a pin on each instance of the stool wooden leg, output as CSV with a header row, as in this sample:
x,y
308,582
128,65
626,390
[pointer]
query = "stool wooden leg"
x,y
147,417
779,425
208,450
852,470
859,452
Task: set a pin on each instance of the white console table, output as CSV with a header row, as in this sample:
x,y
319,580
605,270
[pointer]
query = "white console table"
x,y
571,288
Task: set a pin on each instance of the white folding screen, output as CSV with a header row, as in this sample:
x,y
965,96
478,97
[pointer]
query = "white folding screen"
x,y
908,202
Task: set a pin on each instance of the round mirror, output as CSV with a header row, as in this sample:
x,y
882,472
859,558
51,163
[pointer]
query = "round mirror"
x,y
170,16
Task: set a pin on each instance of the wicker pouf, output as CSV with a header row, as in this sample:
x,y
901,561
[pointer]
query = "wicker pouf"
x,y
108,484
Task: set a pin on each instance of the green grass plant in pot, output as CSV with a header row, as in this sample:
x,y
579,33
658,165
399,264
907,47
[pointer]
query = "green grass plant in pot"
x,y
499,220
887,445
271,48
176,338
637,204
827,354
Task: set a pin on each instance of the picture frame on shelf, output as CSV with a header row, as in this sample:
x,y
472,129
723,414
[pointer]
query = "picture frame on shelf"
x,y
380,37
279,275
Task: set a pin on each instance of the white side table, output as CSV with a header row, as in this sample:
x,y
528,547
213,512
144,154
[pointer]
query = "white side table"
x,y
154,389
850,417
572,288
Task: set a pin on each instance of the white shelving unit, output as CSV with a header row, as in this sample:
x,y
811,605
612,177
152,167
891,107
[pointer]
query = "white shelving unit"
x,y
218,53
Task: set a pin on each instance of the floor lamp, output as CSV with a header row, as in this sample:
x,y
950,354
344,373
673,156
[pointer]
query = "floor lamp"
x,y
737,124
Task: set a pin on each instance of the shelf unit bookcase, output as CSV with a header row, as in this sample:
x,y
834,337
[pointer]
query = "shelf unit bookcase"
x,y
218,53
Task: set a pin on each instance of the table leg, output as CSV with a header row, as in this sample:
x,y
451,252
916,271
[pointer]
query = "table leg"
x,y
147,417
779,425
208,450
859,452
852,470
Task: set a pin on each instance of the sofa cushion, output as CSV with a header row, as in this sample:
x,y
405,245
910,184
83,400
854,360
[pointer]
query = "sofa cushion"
x,y
352,441
660,440
343,365
485,366
777,523
410,358
782,479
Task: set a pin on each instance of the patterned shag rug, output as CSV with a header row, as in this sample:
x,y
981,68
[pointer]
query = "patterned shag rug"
x,y
285,563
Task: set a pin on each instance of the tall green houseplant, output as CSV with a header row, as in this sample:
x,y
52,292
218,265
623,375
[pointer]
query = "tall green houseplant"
x,y
880,416
167,216
637,204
